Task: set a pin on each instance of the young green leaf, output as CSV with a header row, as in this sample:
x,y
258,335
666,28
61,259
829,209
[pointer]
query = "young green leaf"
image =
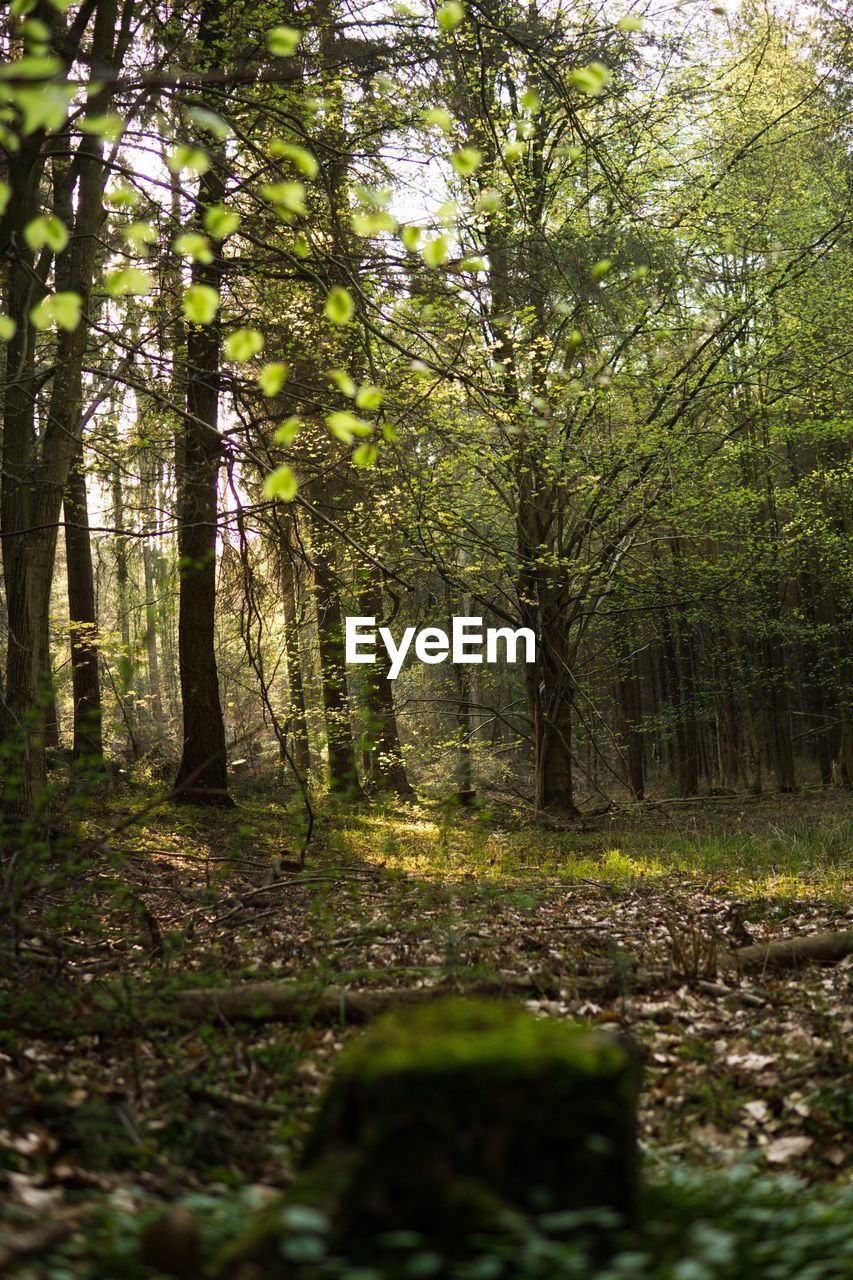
x,y
194,245
60,309
5,194
435,252
343,382
442,119
365,455
339,307
282,484
188,159
410,237
7,328
282,42
591,79
200,304
210,121
128,282
490,200
531,101
46,231
600,270
242,344
304,161
288,431
370,224
272,377
450,15
287,195
345,426
369,397
221,222
139,235
630,22
466,160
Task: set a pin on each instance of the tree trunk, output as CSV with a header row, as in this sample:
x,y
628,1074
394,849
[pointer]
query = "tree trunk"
x,y
35,472
290,607
382,741
86,685
630,696
343,773
202,774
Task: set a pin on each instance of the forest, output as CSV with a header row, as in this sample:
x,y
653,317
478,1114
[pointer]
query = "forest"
x,y
426,639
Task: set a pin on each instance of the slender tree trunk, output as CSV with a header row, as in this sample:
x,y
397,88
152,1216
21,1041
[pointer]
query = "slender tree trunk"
x,y
202,774
290,608
343,772
630,695
85,678
382,741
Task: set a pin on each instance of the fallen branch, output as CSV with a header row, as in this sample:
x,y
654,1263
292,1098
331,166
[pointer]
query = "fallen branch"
x,y
792,953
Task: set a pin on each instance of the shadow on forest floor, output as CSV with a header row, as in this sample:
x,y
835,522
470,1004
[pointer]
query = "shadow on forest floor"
x,y
618,923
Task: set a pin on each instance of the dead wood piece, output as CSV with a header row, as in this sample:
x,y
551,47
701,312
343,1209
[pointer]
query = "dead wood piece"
x,y
793,953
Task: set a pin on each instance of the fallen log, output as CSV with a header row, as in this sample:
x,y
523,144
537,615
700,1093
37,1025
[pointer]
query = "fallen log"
x,y
792,953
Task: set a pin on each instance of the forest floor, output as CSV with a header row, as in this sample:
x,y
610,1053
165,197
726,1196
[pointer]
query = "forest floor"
x,y
621,919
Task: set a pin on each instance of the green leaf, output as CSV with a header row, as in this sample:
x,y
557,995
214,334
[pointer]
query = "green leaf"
x,y
370,224
378,197
288,431
287,195
345,426
410,237
108,127
631,22
442,119
5,194
220,221
281,483
139,235
210,121
200,304
490,200
60,309
466,160
186,159
35,67
194,245
531,101
591,79
272,378
242,344
45,107
122,196
640,273
301,247
369,397
304,161
128,282
339,307
450,15
513,150
283,41
46,230
343,382
435,252
601,268
7,328
365,455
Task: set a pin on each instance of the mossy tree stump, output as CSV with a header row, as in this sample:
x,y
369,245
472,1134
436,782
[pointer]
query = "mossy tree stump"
x,y
442,1117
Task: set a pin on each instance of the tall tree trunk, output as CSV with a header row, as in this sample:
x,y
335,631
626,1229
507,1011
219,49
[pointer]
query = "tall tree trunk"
x,y
85,679
630,696
343,773
290,608
203,772
35,472
382,741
